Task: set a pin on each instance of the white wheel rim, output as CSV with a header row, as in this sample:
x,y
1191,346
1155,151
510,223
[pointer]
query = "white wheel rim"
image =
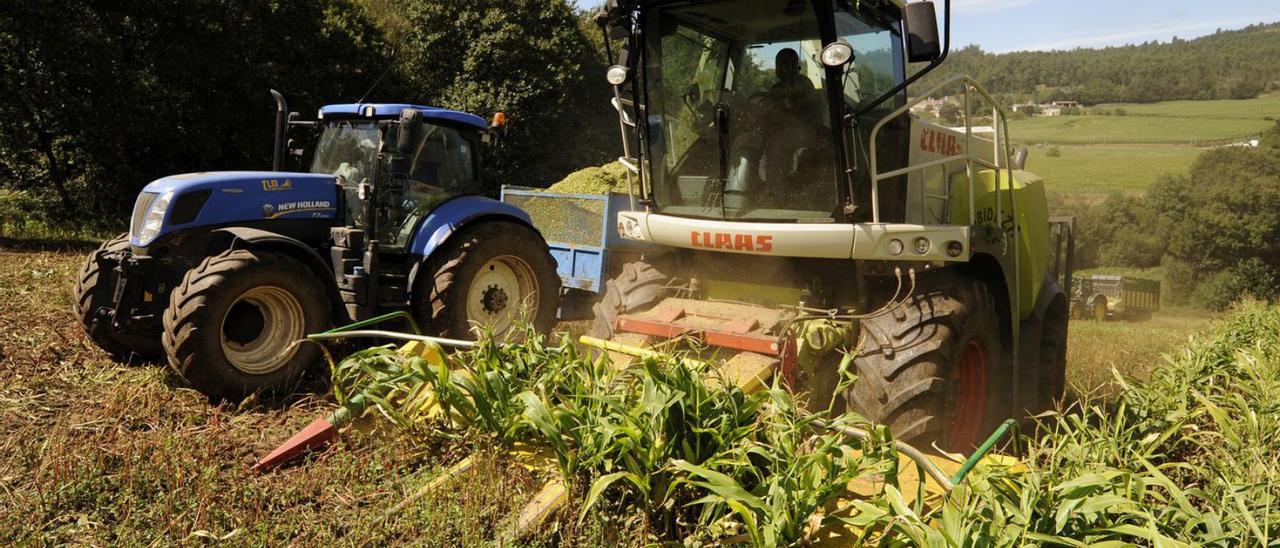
x,y
282,323
500,290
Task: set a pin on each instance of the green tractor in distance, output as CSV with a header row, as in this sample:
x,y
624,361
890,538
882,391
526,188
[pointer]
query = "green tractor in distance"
x,y
800,214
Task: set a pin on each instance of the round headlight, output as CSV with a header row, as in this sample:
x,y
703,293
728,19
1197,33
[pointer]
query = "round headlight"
x,y
922,245
895,247
618,75
837,54
954,248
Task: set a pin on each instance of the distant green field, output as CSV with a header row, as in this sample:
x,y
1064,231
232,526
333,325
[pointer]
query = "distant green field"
x,y
1177,122
1104,169
1250,109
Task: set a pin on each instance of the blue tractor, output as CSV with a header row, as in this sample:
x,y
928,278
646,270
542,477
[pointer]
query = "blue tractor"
x,y
221,273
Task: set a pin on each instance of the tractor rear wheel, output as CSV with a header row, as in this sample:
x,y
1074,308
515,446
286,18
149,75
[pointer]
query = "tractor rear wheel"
x,y
931,368
489,275
639,287
94,290
234,325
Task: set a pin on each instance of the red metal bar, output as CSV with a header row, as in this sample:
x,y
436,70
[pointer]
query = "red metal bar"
x,y
760,345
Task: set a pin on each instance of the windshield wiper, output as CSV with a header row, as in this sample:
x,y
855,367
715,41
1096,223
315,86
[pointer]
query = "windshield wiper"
x,y
722,141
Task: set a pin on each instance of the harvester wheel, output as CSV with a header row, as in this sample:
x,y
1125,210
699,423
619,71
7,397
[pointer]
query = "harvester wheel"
x,y
1052,383
639,287
930,368
490,275
234,324
93,291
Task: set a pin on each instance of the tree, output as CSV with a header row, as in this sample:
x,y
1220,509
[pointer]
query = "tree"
x,y
528,58
99,98
1220,223
1270,140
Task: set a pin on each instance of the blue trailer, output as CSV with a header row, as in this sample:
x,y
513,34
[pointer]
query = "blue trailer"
x,y
580,230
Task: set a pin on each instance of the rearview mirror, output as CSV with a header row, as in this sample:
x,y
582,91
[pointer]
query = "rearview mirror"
x,y
923,45
409,120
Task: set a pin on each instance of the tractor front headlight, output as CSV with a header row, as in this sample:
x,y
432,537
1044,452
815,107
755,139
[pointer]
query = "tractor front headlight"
x,y
153,219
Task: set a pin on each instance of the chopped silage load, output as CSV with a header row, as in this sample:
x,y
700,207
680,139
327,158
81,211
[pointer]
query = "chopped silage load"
x,y
575,221
599,180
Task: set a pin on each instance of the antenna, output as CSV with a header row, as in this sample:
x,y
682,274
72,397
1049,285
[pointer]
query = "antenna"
x,y
391,64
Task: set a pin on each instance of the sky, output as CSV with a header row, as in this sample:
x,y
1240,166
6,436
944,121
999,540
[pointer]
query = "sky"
x,y
1010,25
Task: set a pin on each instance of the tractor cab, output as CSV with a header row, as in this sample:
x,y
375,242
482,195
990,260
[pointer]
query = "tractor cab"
x,y
745,120
396,163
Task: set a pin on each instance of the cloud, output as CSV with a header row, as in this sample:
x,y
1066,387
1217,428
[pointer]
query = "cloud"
x,y
1129,37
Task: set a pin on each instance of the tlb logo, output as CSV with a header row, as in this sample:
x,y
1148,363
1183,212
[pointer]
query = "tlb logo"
x,y
276,185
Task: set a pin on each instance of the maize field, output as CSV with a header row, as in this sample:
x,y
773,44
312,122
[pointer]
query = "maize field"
x,y
96,452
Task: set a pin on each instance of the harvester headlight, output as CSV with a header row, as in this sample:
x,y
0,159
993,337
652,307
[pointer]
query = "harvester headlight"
x,y
618,75
153,219
922,245
837,54
895,247
630,229
954,249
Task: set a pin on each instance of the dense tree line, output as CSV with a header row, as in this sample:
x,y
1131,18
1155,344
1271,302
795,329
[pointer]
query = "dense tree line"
x,y
99,98
1213,230
1226,65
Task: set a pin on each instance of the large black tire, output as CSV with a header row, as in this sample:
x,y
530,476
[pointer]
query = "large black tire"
x,y
459,271
1052,383
230,326
639,287
916,370
94,289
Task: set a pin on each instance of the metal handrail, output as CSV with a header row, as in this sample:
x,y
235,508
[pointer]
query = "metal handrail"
x,y
1002,151
1001,157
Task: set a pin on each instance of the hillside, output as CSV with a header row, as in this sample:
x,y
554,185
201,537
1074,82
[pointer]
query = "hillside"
x,y
1236,64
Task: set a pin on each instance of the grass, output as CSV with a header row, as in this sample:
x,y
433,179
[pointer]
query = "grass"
x,y
1188,123
1104,169
1133,349
94,452
1110,130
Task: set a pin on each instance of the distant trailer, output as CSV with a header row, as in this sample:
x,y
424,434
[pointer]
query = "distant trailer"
x,y
1103,296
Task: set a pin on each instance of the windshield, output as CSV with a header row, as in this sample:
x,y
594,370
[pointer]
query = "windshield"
x,y
347,150
739,125
877,66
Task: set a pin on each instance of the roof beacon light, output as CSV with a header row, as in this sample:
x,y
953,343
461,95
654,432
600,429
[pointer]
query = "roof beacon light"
x,y
500,120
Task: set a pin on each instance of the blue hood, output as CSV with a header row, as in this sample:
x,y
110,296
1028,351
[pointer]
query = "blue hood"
x,y
237,197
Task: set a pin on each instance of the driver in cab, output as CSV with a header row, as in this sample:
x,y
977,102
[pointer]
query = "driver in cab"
x,y
795,113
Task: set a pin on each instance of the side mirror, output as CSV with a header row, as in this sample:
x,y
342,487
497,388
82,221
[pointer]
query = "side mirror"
x,y
409,121
923,45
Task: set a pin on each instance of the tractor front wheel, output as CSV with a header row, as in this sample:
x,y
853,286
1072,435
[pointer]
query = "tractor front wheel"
x,y
489,276
235,324
93,291
931,368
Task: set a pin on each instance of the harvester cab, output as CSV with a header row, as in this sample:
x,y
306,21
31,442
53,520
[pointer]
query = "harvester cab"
x,y
223,273
805,214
